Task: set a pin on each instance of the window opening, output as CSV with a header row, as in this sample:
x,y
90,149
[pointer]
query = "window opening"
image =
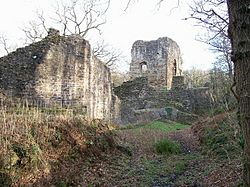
x,y
144,67
174,68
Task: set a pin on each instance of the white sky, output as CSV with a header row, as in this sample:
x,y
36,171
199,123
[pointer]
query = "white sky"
x,y
142,21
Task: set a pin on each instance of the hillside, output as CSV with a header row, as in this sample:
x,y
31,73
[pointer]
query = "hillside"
x,y
42,148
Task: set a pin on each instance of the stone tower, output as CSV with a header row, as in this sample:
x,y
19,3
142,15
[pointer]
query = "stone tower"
x,y
159,60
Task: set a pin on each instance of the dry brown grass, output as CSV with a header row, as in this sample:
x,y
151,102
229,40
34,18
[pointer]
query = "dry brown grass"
x,y
142,140
31,139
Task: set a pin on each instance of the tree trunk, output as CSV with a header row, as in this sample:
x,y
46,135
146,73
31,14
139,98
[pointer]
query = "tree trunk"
x,y
239,32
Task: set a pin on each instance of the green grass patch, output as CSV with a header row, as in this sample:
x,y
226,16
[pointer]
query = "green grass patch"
x,y
165,127
180,166
167,147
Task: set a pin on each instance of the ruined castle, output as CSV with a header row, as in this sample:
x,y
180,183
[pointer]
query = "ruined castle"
x,y
59,71
158,60
156,89
62,71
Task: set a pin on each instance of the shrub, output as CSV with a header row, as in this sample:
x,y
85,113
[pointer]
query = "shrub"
x,y
166,146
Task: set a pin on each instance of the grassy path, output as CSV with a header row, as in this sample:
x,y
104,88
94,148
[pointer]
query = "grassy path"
x,y
142,165
137,163
147,168
152,169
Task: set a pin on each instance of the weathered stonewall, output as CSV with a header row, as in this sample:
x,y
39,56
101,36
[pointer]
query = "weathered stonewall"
x,y
59,71
159,60
141,103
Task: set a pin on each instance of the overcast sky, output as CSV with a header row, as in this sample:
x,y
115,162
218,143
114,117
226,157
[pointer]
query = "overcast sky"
x,y
142,21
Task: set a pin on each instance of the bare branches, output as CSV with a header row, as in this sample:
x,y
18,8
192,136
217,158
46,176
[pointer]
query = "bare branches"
x,y
76,17
61,18
161,1
212,15
127,5
80,18
36,29
33,32
3,42
107,54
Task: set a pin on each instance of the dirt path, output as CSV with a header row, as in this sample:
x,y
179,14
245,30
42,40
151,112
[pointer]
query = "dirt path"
x,y
146,168
190,168
135,163
187,139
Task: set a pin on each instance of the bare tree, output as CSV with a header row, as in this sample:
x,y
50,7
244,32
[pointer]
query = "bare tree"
x,y
196,77
4,43
212,15
221,46
107,54
77,17
80,17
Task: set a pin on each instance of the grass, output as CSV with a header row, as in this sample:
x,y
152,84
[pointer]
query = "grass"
x,y
166,127
150,168
167,147
153,171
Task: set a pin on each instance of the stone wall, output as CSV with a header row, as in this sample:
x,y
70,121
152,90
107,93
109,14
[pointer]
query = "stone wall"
x,y
178,82
134,95
159,60
59,71
140,102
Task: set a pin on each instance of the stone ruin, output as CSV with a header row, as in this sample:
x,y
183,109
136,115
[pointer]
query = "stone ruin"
x,y
158,60
62,71
157,90
142,103
59,71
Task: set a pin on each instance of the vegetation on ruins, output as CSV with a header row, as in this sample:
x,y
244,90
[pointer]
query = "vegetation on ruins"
x,y
187,144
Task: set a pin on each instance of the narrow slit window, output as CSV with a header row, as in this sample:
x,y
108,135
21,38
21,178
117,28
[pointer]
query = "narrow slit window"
x,y
174,68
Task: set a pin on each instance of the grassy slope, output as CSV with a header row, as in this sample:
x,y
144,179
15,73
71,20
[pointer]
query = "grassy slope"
x,y
165,127
216,162
50,147
147,168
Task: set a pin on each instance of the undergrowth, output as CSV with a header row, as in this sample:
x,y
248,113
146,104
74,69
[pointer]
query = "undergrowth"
x,y
221,137
31,139
167,147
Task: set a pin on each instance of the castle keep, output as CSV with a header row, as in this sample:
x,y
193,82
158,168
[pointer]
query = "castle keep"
x,y
59,71
157,65
158,60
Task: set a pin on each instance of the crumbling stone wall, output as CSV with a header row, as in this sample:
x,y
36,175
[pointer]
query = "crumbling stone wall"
x,y
159,60
178,82
134,95
59,71
141,102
